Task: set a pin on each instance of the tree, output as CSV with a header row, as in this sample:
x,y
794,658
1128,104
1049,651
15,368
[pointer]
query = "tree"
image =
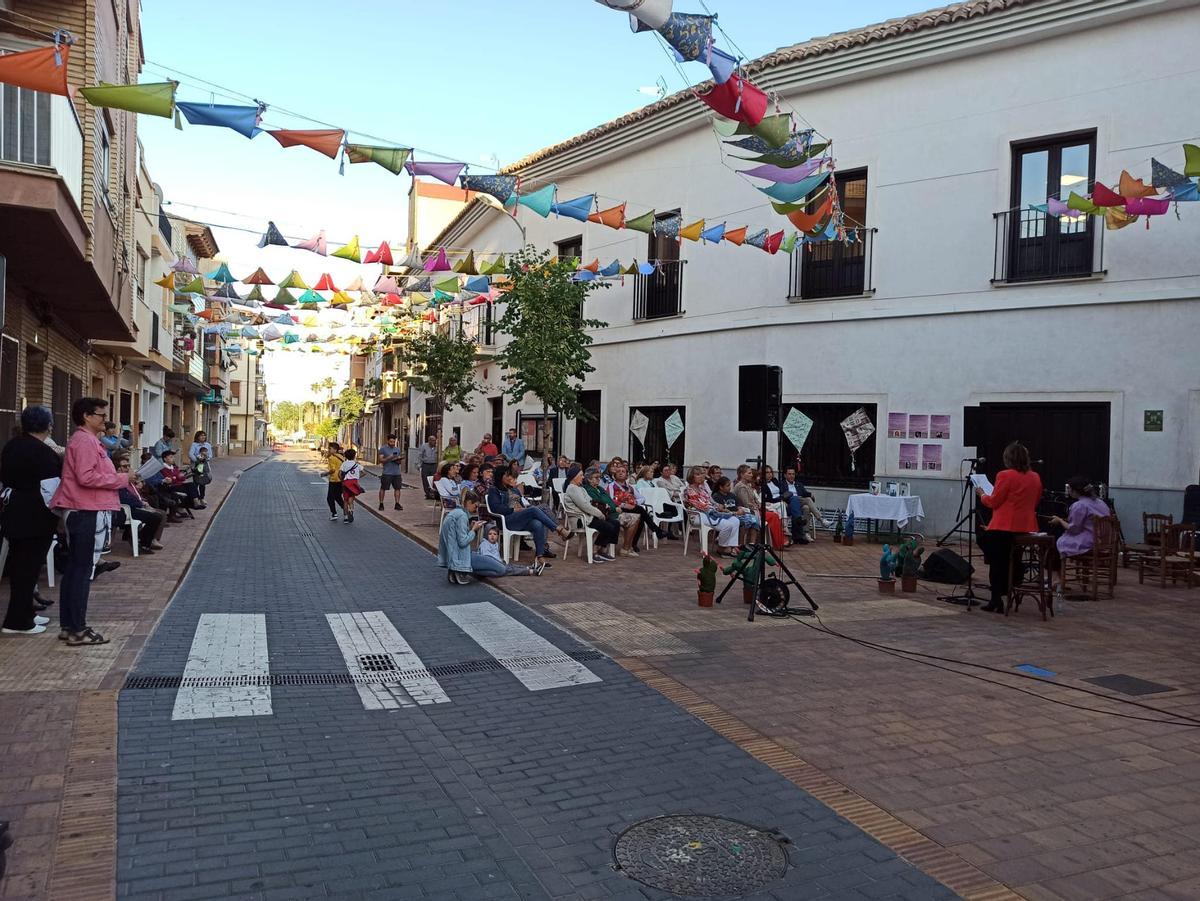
x,y
327,429
547,353
310,415
285,416
444,368
351,405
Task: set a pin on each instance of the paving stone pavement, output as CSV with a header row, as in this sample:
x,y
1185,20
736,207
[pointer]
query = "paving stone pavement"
x,y
511,789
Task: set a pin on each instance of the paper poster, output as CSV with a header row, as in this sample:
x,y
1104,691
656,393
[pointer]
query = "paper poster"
x,y
931,457
858,428
908,456
918,425
897,425
674,427
796,427
638,424
939,426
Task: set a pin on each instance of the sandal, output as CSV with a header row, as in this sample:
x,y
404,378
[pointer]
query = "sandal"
x,y
88,636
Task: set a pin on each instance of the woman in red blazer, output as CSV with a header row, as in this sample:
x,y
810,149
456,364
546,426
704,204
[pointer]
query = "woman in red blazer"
x,y
1013,502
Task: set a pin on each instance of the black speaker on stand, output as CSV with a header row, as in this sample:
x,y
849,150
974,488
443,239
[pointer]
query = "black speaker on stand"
x,y
760,398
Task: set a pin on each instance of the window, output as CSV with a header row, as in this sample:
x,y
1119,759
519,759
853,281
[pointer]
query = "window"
x,y
825,461
143,261
540,435
658,295
8,387
1036,244
654,449
570,249
154,329
235,389
103,157
60,404
233,431
837,268
24,126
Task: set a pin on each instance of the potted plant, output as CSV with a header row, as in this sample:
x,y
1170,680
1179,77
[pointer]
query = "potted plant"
x,y
887,566
848,535
908,572
745,567
706,581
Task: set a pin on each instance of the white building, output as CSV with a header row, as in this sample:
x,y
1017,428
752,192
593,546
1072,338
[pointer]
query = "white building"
x,y
940,121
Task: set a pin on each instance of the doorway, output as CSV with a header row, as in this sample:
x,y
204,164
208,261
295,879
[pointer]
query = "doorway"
x,y
1064,439
587,430
496,414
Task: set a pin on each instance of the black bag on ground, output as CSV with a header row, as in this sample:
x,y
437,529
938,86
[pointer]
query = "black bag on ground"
x,y
943,565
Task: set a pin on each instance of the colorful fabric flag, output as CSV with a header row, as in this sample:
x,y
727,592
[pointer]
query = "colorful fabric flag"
x,y
720,64
1147,206
478,283
773,242
443,172
795,152
385,284
593,266
1134,187
255,295
1191,160
579,208
642,223
786,176
149,99
447,285
184,264
1081,204
413,259
221,274
1188,192
791,193
311,296
758,239
736,235
737,99
438,263
167,281
284,296
356,285
668,226
499,186
688,34
613,268
789,243
714,233
391,158
272,236
692,232
293,280
316,243
44,69
1165,177
540,201
242,119
673,428
350,251
613,217
258,277
1102,196
381,254
325,283
1116,218
195,286
806,222
323,140
467,264
496,267
774,130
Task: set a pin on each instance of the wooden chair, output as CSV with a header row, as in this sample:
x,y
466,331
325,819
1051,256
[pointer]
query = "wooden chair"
x,y
1028,575
1175,559
1096,569
1153,525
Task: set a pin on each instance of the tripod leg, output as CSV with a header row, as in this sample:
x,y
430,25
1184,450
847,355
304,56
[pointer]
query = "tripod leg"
x,y
796,582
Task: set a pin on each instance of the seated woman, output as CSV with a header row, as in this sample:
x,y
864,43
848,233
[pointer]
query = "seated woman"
x,y
748,496
455,537
469,476
578,501
629,523
698,498
487,561
727,501
448,487
505,500
152,521
531,492
627,499
1078,532
714,475
674,485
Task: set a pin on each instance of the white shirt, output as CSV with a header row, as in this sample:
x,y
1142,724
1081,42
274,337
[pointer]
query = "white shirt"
x,y
351,469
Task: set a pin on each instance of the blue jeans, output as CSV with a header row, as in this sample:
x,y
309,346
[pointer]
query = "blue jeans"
x,y
83,529
534,520
490,566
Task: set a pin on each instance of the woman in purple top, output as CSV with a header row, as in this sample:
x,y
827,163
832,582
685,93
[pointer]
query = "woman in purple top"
x,y
1079,535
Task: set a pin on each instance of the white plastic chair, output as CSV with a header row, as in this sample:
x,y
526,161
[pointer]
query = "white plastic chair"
x,y
696,521
656,499
133,525
49,559
558,486
430,489
507,535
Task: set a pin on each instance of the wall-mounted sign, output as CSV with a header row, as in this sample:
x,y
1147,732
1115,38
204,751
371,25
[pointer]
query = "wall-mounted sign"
x,y
1152,420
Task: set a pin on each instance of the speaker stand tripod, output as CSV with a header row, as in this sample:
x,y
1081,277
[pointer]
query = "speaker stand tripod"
x,y
967,598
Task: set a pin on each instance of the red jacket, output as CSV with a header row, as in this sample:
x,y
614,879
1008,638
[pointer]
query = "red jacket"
x,y
89,481
1014,501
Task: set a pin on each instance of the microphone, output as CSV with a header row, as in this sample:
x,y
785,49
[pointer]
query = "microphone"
x,y
974,459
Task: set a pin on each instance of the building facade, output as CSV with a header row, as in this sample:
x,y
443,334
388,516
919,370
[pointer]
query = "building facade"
x,y
247,404
954,306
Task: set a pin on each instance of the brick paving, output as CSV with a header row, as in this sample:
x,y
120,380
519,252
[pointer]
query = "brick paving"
x,y
1054,802
58,709
510,779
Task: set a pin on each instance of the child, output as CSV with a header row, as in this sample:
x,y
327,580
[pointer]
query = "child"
x,y
488,562
350,471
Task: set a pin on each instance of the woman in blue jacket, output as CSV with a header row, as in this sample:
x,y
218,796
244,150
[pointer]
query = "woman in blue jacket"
x,y
455,538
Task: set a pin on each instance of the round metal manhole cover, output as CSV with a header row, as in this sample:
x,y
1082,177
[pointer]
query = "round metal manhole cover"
x,y
701,856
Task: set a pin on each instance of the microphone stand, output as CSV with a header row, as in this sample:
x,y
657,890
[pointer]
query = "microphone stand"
x,y
967,598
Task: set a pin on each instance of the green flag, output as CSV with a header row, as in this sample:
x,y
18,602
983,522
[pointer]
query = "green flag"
x,y
391,158
642,223
150,99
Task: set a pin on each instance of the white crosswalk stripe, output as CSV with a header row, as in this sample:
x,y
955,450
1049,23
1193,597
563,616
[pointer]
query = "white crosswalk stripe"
x,y
537,663
225,646
372,647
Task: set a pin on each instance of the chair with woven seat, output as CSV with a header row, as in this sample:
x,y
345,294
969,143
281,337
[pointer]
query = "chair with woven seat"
x,y
1175,559
1096,569
1152,531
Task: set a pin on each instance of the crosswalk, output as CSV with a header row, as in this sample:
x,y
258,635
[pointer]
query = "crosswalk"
x,y
228,674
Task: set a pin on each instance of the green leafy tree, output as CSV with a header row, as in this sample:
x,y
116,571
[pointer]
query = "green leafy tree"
x,y
548,351
327,429
285,416
310,415
444,368
351,405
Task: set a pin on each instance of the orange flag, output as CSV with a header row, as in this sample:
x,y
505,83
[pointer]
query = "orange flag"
x,y
806,222
37,70
735,235
323,140
614,217
1134,187
593,266
325,283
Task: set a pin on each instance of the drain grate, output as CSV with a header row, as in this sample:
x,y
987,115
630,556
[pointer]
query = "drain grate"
x,y
700,856
1129,685
377,669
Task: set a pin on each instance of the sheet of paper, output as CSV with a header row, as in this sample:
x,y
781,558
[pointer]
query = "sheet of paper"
x,y
979,480
149,468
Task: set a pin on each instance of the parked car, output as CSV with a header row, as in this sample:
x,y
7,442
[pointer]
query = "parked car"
x,y
313,444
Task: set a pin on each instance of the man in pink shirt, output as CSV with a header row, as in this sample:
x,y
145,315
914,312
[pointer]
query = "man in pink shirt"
x,y
86,498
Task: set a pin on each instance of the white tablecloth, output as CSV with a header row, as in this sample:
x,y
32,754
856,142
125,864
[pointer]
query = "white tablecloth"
x,y
884,506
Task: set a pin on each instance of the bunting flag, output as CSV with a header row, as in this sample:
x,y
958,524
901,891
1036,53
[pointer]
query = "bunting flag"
x,y
613,217
222,274
323,140
720,64
496,267
692,232
167,281
467,264
791,193
443,172
758,239
438,263
787,176
387,285
613,268
183,264
311,296
774,130
356,285
689,35
272,236
584,275
789,243
38,70
1189,192
540,201
149,99
593,266
325,283
242,119
195,286
1147,206
737,99
806,222
579,209
284,297
316,243
1103,196
642,223
382,254
668,226
1165,177
255,295
226,291
1191,160
293,280
773,242
478,283
631,269
350,251
258,277
736,235
447,285
1116,218
391,158
646,268
1130,187
499,186
1079,204
714,234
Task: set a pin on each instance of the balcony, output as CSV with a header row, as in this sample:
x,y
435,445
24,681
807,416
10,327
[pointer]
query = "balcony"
x,y
479,325
189,373
658,295
1032,246
395,387
828,269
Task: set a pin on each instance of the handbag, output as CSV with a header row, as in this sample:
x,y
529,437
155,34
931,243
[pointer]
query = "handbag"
x,y
48,487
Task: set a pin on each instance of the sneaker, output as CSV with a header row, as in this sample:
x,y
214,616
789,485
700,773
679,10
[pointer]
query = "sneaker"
x,y
633,553
603,557
537,568
106,567
396,507
333,517
41,620
36,630
381,505
155,546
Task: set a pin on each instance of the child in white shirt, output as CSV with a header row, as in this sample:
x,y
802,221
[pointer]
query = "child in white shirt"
x,y
487,561
350,471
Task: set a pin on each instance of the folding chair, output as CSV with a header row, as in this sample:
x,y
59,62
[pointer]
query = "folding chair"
x,y
656,499
695,520
133,526
507,535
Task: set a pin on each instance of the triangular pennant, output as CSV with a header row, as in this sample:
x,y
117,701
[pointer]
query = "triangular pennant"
x,y
692,232
325,283
272,236
758,239
44,69
583,275
226,291
593,266
774,130
167,281
646,268
438,263
316,243
540,201
737,99
1164,177
468,264
668,226
499,186
579,209
613,268
350,251
195,286
736,235
413,259
631,269
381,254
806,222
311,296
1116,218
283,296
478,283
387,285
221,274
1134,187
355,285
1191,160
613,217
720,64
789,243
774,242
688,34
242,119
642,223
714,233
149,99
496,267
1147,206
447,285
293,280
255,295
1102,196
184,264
391,158
791,193
443,172
1080,204
1188,192
323,140
258,277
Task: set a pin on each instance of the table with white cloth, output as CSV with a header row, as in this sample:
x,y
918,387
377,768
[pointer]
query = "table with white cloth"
x,y
884,507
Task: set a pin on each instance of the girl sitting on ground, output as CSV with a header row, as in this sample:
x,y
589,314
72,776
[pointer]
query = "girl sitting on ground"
x,y
487,561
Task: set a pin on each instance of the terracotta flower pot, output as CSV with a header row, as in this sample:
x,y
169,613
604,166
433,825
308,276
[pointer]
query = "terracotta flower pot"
x,y
748,595
908,584
704,598
887,586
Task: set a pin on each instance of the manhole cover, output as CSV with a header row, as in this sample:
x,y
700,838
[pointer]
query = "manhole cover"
x,y
701,856
376,663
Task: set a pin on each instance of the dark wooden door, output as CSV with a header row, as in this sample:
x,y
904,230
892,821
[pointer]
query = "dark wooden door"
x,y
587,431
1069,438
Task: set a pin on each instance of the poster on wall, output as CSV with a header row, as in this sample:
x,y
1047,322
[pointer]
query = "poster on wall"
x,y
857,428
939,426
918,425
897,425
908,456
931,457
796,427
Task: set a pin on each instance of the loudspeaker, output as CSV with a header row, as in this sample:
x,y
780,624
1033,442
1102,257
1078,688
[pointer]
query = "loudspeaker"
x,y
760,398
972,426
943,565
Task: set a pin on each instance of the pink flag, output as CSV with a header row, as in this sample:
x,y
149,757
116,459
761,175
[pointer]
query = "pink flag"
x,y
438,263
316,243
386,285
1147,206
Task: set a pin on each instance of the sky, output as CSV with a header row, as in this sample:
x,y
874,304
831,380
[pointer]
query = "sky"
x,y
457,80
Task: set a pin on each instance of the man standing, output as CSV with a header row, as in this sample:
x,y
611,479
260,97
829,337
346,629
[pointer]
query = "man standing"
x,y
165,443
389,456
513,447
333,492
428,458
86,498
